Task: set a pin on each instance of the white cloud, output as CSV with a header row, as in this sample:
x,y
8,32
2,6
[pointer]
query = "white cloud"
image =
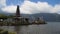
x,y
32,7
56,9
29,7
2,2
39,7
9,9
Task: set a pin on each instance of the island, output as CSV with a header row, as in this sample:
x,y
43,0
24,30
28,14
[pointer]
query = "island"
x,y
18,20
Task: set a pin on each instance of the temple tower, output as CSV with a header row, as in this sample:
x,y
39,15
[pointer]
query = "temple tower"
x,y
17,11
17,18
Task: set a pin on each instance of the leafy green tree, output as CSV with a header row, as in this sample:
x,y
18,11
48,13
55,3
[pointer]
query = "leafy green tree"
x,y
3,16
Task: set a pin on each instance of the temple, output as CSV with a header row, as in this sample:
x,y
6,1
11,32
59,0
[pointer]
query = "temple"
x,y
24,20
18,12
20,20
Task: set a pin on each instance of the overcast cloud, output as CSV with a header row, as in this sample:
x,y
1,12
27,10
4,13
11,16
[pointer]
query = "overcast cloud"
x,y
29,7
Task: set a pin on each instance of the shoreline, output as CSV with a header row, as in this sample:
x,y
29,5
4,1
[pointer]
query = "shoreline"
x,y
22,24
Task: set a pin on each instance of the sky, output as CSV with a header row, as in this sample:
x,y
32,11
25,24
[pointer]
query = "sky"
x,y
30,6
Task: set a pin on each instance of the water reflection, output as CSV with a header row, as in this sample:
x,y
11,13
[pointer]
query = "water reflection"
x,y
19,28
50,28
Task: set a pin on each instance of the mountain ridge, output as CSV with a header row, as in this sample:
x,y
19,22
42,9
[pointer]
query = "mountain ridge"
x,y
51,17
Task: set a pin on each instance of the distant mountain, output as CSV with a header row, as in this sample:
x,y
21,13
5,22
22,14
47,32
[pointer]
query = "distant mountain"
x,y
52,17
48,16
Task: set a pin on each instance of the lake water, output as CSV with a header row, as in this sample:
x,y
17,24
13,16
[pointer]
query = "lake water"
x,y
49,28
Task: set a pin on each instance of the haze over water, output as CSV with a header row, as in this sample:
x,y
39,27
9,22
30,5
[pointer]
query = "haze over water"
x,y
49,28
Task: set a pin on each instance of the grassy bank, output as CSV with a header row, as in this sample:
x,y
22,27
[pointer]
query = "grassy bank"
x,y
2,31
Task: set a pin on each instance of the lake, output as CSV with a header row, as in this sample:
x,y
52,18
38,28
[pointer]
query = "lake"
x,y
49,28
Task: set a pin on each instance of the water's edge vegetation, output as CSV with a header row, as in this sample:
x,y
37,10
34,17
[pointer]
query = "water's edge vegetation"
x,y
2,31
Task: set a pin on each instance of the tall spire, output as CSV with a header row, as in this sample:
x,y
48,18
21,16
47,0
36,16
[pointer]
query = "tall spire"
x,y
17,11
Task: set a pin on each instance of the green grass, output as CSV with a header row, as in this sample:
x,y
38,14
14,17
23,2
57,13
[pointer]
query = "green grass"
x,y
6,32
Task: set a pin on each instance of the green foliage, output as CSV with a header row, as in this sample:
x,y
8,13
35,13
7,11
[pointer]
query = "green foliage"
x,y
10,16
12,33
6,32
5,16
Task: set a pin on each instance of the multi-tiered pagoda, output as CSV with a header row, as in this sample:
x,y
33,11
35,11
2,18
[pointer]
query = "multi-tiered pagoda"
x,y
18,12
19,19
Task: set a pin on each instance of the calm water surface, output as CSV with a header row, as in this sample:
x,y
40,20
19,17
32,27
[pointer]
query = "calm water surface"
x,y
49,28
